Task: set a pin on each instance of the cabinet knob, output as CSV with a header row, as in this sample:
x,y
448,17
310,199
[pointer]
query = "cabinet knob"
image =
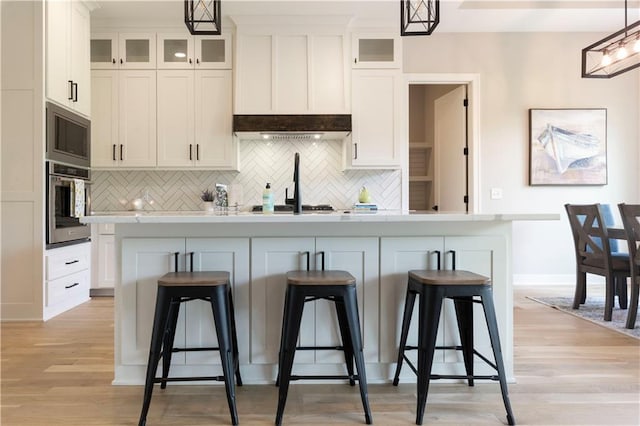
x,y
113,60
190,61
198,61
121,61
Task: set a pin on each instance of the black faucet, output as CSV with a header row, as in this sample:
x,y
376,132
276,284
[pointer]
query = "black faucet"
x,y
296,201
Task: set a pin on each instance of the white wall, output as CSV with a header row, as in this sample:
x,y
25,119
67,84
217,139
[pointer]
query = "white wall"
x,y
519,71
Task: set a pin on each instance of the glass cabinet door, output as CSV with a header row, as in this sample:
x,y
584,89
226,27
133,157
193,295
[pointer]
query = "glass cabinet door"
x,y
137,51
376,51
104,51
213,52
175,51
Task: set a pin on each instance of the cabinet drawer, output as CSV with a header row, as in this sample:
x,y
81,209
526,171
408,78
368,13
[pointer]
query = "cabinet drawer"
x,y
70,287
67,260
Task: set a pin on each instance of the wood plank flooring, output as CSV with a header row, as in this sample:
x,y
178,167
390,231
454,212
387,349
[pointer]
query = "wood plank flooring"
x,y
568,372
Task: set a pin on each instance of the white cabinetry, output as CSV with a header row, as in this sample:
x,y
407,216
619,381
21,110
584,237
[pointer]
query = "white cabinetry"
x,y
480,254
291,73
68,277
273,257
123,51
376,106
67,54
376,51
184,51
103,259
124,121
144,260
195,119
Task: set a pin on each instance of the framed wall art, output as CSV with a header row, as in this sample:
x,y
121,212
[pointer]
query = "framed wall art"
x,y
568,146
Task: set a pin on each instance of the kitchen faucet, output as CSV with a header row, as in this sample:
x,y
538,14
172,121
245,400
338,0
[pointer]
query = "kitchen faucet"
x,y
296,201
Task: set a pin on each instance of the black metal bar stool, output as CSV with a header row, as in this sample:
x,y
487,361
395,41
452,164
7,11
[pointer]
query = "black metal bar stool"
x,y
175,288
307,286
434,286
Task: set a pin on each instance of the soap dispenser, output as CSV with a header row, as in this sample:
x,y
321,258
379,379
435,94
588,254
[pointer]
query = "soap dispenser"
x,y
267,200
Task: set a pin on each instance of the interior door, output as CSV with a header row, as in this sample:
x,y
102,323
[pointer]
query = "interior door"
x,y
449,143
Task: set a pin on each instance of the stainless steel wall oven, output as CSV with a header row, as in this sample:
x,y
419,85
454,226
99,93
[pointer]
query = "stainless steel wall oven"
x,y
68,199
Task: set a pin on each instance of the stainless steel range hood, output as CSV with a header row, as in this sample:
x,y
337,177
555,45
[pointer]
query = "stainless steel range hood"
x,y
292,127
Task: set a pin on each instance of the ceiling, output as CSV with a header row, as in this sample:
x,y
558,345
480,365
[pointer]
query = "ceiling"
x,y
455,15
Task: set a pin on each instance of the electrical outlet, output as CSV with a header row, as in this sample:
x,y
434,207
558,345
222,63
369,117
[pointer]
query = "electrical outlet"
x,y
496,193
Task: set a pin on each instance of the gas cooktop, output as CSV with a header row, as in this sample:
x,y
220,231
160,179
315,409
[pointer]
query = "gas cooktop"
x,y
305,208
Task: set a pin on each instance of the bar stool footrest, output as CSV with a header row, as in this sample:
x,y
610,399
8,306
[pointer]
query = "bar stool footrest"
x,y
326,377
194,349
188,379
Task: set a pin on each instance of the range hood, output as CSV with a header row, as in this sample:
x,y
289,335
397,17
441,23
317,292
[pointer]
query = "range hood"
x,y
292,127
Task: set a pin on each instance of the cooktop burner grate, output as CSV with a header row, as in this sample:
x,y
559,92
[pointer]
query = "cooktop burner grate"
x,y
305,208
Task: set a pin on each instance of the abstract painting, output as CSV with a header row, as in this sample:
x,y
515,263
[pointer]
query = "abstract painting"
x,y
568,146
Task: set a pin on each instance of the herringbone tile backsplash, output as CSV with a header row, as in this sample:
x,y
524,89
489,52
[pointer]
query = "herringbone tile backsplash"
x,y
322,180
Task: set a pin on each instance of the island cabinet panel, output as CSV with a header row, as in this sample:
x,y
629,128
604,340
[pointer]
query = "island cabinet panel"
x,y
271,258
480,254
144,260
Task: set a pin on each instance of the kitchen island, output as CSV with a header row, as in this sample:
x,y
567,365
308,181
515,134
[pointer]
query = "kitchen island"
x,y
377,248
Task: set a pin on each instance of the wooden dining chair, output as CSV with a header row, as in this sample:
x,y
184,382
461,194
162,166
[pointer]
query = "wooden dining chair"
x,y
630,214
593,256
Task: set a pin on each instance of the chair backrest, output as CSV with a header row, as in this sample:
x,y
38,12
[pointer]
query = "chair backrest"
x,y
590,235
607,216
630,214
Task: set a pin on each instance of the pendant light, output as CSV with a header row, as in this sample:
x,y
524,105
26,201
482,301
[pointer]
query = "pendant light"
x,y
419,17
614,54
203,17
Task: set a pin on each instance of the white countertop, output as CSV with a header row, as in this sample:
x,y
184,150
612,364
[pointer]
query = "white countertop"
x,y
388,216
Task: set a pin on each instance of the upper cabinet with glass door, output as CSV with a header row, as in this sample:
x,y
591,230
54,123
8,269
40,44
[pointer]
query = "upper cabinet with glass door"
x,y
376,51
123,51
184,51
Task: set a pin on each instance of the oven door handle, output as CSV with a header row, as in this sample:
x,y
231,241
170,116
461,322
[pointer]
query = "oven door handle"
x,y
69,179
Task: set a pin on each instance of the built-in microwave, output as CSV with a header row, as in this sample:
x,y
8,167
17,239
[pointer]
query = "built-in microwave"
x,y
68,137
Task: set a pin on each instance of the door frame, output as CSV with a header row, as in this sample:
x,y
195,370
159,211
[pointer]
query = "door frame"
x,y
472,81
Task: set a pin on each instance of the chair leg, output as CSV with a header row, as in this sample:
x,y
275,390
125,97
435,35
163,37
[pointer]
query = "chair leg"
x,y
346,337
429,308
234,338
291,329
282,329
409,302
581,289
351,306
168,339
492,326
222,319
633,304
621,290
464,315
608,299
159,324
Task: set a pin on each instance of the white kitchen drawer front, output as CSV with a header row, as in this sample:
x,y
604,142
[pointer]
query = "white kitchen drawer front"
x,y
67,260
69,287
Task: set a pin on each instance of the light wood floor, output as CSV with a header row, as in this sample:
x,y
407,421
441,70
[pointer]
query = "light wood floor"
x,y
568,371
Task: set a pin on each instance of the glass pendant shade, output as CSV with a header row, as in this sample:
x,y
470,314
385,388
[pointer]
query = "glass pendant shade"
x,y
203,17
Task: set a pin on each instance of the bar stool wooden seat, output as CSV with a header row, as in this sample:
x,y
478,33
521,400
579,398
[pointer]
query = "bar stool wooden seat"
x,y
307,286
175,288
434,286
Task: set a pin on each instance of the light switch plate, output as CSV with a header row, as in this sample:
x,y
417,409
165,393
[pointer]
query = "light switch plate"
x,y
496,193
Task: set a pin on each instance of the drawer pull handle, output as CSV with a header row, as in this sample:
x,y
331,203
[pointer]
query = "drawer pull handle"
x,y
71,286
72,262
